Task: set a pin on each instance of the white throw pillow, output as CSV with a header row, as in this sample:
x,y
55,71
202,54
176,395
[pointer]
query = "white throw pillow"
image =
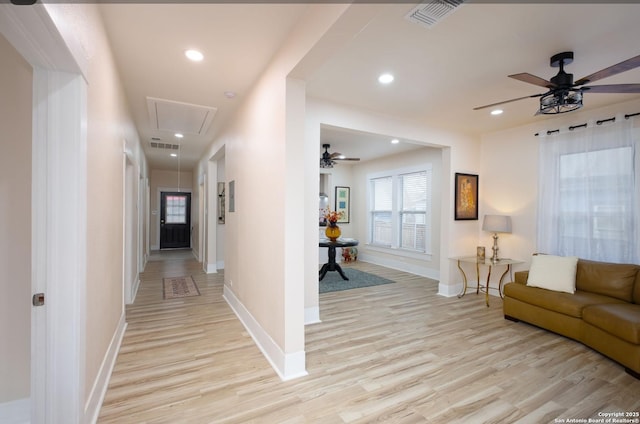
x,y
556,273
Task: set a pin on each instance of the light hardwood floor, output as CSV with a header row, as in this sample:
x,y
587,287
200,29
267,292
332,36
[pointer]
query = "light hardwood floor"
x,y
396,353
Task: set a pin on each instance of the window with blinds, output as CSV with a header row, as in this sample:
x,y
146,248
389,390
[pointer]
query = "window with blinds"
x,y
413,211
381,211
400,209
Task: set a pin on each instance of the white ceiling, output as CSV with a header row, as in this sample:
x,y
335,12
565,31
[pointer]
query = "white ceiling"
x,y
362,145
441,73
149,40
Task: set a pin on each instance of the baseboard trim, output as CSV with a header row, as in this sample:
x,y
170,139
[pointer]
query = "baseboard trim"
x,y
212,269
16,412
312,315
288,366
399,265
134,289
447,290
99,389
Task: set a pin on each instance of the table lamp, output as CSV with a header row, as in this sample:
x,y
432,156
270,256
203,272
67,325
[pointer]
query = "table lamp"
x,y
496,224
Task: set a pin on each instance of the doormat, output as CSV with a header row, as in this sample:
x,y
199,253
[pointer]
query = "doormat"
x,y
177,287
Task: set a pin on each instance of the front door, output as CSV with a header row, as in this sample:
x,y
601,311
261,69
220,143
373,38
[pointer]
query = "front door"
x,y
175,220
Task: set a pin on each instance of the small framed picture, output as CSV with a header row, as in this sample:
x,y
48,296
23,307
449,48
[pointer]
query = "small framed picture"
x,y
343,203
466,197
480,253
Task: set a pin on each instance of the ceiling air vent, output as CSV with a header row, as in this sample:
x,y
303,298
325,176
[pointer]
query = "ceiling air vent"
x,y
166,146
430,12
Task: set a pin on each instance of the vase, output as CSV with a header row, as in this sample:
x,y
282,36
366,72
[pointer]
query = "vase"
x,y
332,231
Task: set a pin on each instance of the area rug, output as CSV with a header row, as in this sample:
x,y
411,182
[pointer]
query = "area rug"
x,y
177,287
334,282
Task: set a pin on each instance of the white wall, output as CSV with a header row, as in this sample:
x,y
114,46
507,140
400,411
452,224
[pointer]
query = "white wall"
x,y
95,129
109,123
264,236
15,225
425,156
356,176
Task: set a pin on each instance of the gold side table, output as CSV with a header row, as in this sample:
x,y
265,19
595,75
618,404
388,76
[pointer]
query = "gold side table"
x,y
486,262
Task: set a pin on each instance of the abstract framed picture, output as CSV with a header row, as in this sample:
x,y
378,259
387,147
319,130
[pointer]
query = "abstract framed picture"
x,y
466,197
343,203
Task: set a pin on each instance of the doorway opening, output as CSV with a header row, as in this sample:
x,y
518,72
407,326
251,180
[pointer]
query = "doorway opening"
x,y
175,220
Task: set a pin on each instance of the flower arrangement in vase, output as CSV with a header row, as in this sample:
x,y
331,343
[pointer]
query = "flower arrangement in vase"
x,y
332,231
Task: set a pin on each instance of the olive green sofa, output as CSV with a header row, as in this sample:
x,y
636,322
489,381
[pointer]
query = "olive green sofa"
x,y
603,312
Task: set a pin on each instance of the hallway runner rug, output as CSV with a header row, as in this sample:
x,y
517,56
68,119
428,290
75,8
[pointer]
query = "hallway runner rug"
x,y
177,287
333,281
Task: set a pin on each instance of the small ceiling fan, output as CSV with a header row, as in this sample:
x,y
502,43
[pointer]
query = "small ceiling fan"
x,y
563,94
329,159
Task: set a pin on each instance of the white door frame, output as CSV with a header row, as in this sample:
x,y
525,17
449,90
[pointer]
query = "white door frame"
x,y
130,240
58,211
213,235
159,192
202,221
142,212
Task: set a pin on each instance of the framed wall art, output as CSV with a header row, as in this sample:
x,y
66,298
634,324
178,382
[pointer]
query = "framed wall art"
x,y
466,197
343,203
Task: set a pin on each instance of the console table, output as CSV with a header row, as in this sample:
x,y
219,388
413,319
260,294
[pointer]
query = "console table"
x,y
507,262
332,265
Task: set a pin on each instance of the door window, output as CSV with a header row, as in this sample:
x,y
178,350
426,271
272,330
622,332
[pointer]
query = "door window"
x,y
176,210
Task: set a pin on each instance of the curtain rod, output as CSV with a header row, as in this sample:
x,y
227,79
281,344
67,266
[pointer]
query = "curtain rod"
x,y
599,122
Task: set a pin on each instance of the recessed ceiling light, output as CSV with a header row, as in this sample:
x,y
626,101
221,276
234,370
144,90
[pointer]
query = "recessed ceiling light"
x,y
385,78
178,135
174,155
496,112
229,94
194,55
395,141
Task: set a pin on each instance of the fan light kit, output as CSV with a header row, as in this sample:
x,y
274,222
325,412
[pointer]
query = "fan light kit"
x,y
564,95
329,159
561,102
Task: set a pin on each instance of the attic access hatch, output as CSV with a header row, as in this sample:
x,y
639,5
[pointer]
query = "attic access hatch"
x,y
186,118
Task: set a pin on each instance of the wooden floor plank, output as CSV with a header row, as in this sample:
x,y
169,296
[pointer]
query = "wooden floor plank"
x,y
396,353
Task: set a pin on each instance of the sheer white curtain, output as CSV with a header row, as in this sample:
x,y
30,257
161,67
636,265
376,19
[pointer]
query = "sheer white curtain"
x,y
589,192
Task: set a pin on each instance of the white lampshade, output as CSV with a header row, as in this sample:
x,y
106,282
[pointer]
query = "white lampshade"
x,y
496,223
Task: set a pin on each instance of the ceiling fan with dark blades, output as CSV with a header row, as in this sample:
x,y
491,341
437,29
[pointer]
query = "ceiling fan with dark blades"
x,y
565,95
329,159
